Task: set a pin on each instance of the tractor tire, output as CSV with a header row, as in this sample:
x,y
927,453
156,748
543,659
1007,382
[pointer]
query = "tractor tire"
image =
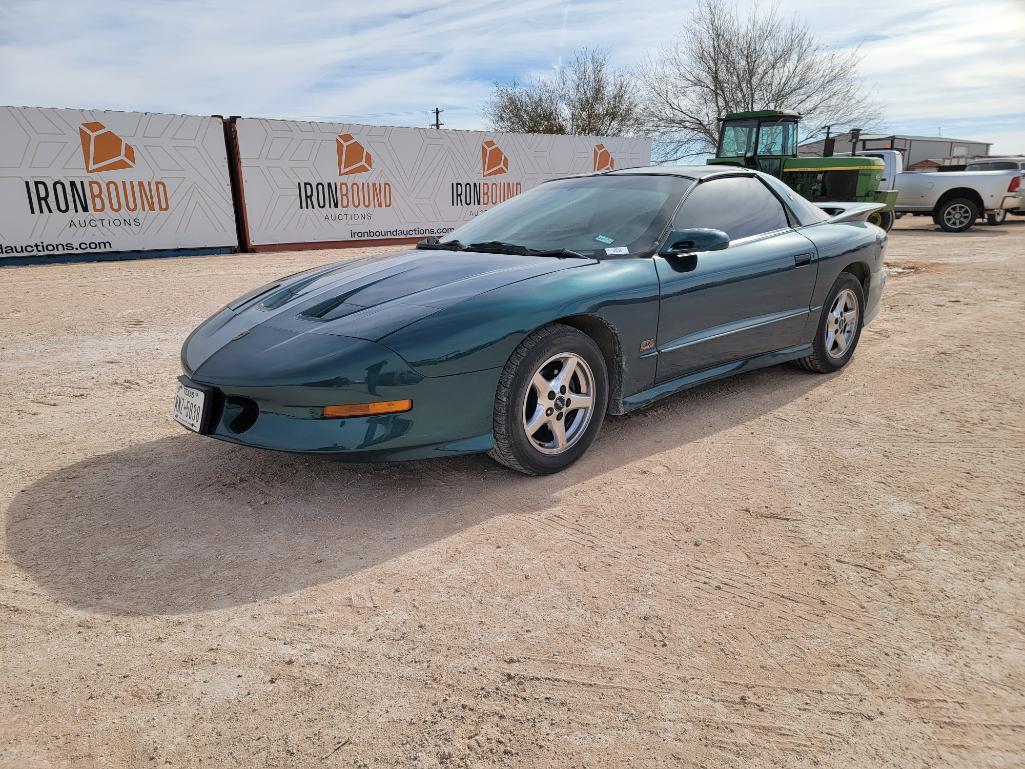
x,y
882,219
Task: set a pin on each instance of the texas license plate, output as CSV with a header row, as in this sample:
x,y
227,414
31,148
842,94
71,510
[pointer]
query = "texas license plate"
x,y
190,405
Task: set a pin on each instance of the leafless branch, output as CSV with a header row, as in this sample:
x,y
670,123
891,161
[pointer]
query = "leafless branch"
x,y
727,62
587,96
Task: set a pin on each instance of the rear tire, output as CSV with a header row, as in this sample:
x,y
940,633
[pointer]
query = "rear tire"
x,y
551,401
997,218
839,327
956,215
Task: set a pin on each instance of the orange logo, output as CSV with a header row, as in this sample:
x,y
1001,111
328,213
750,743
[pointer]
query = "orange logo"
x,y
104,150
353,157
603,160
493,161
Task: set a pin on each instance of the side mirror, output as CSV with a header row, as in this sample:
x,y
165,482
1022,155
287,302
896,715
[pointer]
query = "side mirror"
x,y
682,242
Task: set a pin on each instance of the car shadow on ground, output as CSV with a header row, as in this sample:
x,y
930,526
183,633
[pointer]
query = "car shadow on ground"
x,y
186,523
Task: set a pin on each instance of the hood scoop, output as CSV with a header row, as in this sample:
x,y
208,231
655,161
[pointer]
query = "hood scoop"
x,y
331,309
339,306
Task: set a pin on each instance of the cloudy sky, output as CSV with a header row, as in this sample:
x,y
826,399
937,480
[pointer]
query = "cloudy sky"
x,y
935,64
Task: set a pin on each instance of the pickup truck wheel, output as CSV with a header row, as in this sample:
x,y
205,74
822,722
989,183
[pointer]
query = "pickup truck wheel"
x,y
550,402
998,218
956,215
883,219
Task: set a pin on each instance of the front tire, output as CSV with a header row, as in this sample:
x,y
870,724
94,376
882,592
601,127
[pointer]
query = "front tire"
x,y
839,327
550,402
956,215
883,219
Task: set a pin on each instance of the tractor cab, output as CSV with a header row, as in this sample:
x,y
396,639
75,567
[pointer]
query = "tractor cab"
x,y
766,140
760,139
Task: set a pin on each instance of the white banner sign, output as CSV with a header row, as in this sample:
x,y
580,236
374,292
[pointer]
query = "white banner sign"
x,y
81,181
322,182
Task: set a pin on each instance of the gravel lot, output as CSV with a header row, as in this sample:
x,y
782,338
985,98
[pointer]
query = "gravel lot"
x,y
780,569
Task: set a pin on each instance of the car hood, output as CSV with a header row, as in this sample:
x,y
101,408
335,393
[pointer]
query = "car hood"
x,y
365,298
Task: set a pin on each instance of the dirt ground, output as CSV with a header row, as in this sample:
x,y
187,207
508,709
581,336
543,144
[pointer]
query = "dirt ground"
x,y
777,570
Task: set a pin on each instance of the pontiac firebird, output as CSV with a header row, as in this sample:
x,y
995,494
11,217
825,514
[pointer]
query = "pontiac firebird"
x,y
521,330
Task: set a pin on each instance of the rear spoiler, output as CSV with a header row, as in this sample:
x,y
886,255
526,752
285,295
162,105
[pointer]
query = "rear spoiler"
x,y
850,212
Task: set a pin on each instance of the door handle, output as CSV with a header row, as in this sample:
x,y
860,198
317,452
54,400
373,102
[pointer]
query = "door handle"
x,y
802,259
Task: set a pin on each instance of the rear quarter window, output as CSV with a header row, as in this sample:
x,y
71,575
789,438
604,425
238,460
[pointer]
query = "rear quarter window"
x,y
804,211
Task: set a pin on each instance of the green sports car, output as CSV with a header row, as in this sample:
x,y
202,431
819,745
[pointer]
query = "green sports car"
x,y
522,329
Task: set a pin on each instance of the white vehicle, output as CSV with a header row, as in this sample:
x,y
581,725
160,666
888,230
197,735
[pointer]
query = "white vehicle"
x,y
1002,164
955,199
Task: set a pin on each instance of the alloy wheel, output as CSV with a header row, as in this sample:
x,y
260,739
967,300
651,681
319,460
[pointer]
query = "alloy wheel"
x,y
841,324
559,403
957,215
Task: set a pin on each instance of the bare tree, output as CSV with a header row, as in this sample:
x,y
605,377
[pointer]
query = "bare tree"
x,y
587,96
536,108
724,62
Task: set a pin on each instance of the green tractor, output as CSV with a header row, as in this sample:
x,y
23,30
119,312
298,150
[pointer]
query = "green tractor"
x,y
766,140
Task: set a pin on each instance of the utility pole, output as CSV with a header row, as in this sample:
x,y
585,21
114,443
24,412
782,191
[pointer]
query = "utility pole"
x,y
437,117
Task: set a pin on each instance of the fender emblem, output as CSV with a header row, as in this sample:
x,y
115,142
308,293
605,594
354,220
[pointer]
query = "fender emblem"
x,y
647,345
239,335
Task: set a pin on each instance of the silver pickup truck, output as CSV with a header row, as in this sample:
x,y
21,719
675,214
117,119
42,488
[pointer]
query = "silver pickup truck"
x,y
955,199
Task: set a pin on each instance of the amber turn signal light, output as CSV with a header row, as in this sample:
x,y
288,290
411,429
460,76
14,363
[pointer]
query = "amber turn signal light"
x,y
366,409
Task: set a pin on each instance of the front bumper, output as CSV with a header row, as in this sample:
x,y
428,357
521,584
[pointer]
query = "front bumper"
x,y
441,422
887,197
269,392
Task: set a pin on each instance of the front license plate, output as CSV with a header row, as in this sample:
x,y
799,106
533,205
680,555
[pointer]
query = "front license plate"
x,y
190,406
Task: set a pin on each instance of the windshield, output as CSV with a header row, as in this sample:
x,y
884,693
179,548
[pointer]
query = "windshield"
x,y
591,215
994,165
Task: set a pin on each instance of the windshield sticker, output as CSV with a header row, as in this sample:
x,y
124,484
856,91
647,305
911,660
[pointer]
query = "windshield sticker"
x,y
617,250
604,239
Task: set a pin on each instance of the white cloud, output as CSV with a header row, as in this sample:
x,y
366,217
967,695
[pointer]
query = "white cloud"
x,y
932,63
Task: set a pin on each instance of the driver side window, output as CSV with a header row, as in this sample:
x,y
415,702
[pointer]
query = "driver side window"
x,y
740,206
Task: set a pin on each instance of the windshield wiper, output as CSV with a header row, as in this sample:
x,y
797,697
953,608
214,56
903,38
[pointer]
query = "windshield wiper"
x,y
501,247
558,252
433,244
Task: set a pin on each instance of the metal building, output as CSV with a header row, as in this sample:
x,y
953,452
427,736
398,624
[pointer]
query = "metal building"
x,y
914,148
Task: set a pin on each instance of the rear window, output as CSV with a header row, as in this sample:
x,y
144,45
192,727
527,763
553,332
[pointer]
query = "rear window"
x,y
993,165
